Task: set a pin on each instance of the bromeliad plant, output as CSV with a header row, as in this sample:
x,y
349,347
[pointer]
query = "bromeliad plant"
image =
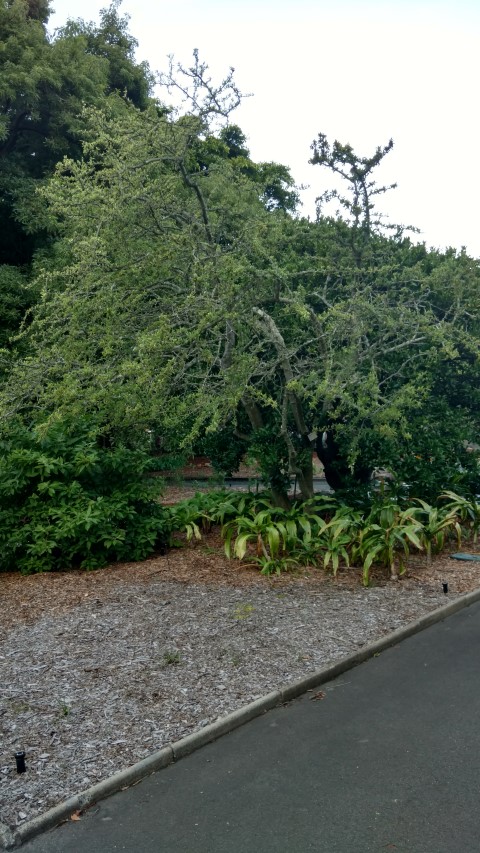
x,y
266,534
330,539
282,538
334,545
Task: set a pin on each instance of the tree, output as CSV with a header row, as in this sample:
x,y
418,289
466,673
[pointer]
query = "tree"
x,y
193,232
111,41
44,85
177,299
361,187
276,185
411,275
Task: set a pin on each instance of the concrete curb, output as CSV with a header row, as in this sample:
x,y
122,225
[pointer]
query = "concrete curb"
x,y
10,839
7,838
224,725
81,801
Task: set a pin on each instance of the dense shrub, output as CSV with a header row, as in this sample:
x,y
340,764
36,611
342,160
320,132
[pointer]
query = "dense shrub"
x,y
436,456
224,449
69,498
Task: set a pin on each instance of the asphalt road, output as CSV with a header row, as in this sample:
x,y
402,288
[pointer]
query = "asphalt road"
x,y
387,760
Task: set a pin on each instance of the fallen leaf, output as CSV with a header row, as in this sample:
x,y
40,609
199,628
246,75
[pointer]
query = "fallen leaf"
x,y
132,785
319,695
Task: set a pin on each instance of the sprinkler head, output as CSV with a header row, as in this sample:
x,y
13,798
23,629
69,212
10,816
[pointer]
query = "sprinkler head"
x,y
20,759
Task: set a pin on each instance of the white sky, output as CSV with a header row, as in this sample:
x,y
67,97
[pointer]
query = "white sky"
x,y
359,71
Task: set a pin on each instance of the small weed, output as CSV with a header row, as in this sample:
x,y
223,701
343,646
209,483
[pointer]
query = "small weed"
x,y
19,707
171,658
243,611
65,711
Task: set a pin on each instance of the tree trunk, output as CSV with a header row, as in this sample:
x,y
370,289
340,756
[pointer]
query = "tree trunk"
x,y
305,480
336,468
280,498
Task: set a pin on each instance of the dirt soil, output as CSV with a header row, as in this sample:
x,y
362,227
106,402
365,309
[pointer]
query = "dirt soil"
x,y
99,669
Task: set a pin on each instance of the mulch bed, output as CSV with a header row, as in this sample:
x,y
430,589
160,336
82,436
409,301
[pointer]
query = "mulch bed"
x,y
101,668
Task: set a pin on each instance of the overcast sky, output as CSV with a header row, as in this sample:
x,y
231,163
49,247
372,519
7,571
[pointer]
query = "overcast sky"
x,y
359,71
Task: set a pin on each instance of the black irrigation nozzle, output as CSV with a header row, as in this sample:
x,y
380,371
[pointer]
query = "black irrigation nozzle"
x,y
445,588
20,759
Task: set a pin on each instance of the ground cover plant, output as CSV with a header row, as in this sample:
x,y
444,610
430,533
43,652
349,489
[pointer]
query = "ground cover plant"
x,y
326,532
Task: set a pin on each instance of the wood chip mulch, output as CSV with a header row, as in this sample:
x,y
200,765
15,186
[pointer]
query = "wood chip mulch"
x,y
99,669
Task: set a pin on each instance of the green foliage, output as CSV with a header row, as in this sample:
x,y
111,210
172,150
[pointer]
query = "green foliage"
x,y
466,509
66,501
357,173
336,538
386,531
196,515
112,41
171,658
15,298
267,448
433,455
325,532
435,522
180,293
274,182
267,534
45,84
281,538
224,449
